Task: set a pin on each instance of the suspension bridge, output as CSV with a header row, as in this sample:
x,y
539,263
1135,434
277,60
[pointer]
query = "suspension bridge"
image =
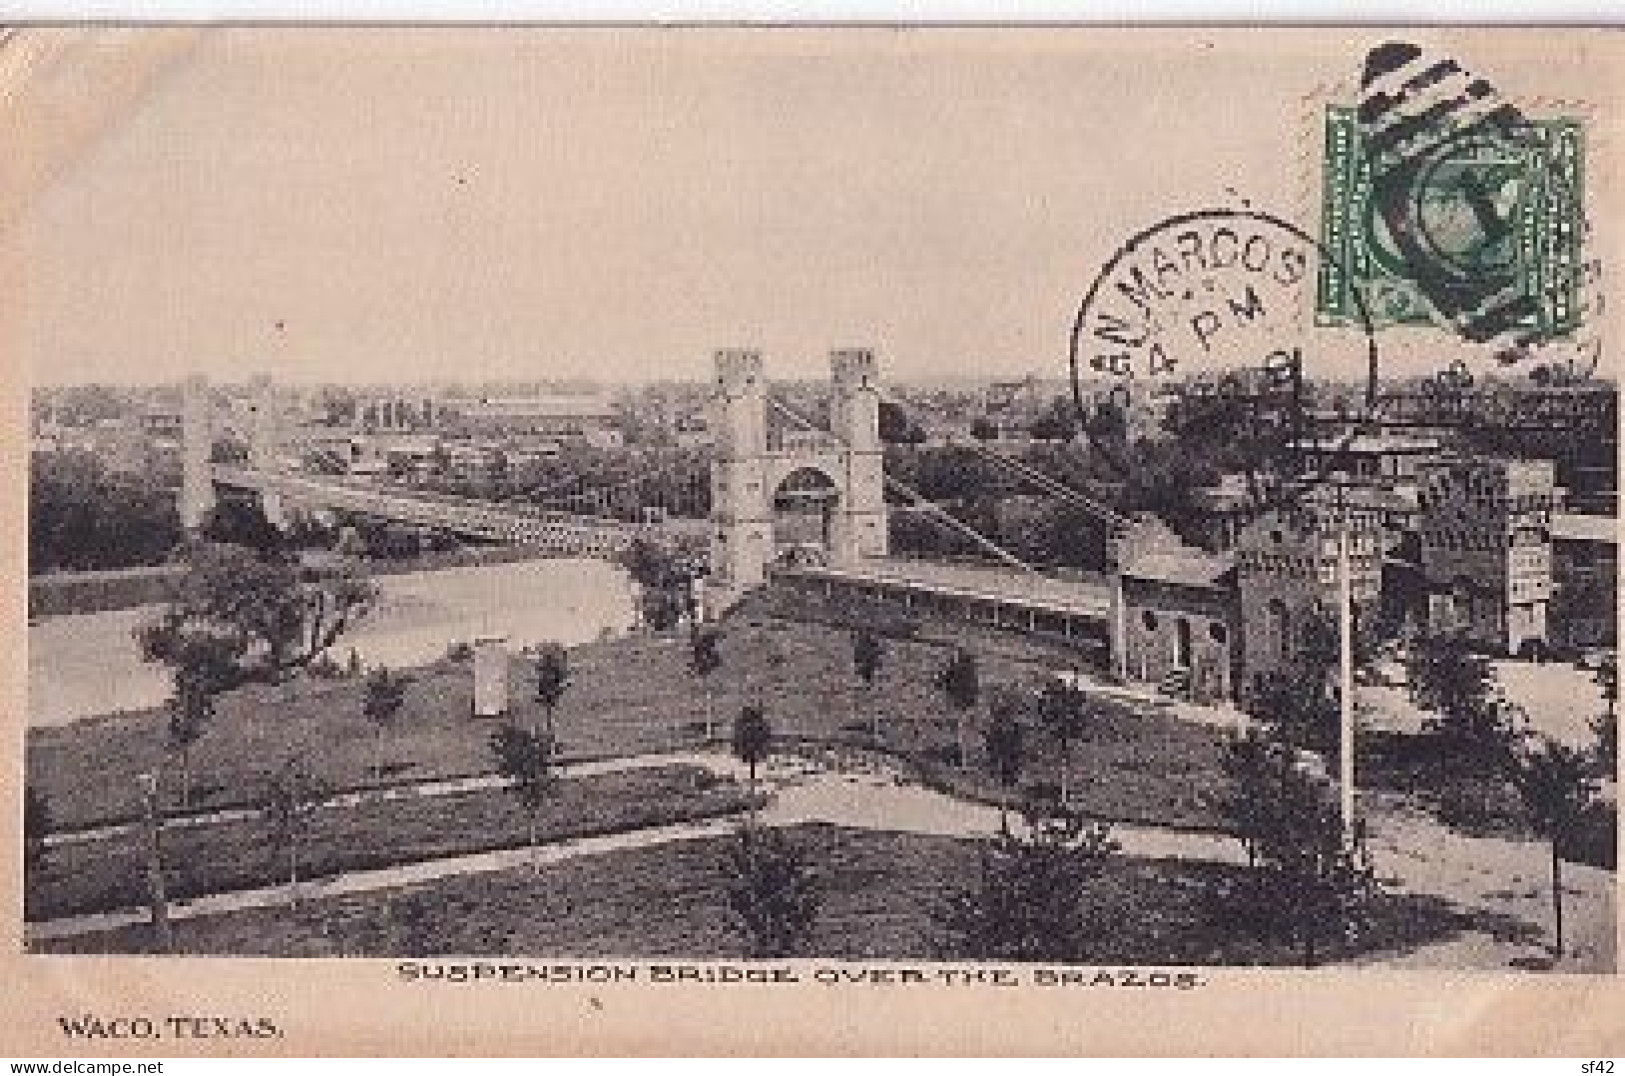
x,y
769,468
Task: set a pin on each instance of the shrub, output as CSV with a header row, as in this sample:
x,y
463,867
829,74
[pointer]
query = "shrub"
x,y
1032,897
774,892
1480,807
1593,840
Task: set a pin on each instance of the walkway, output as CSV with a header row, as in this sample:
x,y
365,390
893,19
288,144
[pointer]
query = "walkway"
x,y
803,793
1500,882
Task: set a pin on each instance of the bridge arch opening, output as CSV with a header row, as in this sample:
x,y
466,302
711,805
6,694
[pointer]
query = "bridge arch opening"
x,y
804,506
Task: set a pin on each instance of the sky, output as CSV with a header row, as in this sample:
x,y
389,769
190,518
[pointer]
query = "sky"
x,y
373,205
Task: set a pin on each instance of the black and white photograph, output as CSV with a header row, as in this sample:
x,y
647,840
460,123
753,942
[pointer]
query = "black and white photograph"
x,y
1103,502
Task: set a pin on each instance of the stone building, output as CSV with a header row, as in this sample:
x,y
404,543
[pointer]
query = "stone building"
x,y
1486,549
1287,574
1585,582
1175,614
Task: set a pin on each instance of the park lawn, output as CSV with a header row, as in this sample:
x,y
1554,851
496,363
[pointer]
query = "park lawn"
x,y
880,892
108,874
630,695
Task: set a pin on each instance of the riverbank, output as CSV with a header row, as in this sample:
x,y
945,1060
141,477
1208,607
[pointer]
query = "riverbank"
x,y
79,593
81,667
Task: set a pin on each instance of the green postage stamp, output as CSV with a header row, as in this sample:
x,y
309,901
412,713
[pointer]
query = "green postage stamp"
x,y
1495,208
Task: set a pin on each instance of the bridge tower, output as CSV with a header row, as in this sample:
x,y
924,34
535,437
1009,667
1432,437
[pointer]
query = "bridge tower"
x,y
741,508
197,484
860,518
747,471
265,442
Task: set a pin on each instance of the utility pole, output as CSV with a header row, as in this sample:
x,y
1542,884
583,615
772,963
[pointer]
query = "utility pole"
x,y
1345,654
157,895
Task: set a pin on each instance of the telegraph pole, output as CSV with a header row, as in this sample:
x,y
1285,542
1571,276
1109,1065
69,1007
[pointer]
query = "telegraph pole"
x,y
1345,654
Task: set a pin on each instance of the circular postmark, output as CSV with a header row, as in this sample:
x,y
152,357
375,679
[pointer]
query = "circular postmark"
x,y
1205,322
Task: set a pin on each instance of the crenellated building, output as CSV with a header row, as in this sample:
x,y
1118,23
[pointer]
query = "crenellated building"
x,y
1486,549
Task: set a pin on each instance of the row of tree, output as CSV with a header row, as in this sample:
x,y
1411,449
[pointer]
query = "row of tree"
x,y
84,517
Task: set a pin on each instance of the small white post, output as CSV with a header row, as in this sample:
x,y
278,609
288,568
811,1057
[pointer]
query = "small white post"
x,y
490,676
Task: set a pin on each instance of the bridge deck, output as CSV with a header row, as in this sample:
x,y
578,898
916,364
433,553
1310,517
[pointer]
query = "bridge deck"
x,y
1086,598
481,519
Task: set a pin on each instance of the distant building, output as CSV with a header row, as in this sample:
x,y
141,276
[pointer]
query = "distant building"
x,y
588,419
398,413
1585,580
1380,458
692,431
1486,549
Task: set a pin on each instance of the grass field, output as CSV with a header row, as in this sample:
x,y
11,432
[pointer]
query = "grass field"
x,y
626,696
880,890
108,874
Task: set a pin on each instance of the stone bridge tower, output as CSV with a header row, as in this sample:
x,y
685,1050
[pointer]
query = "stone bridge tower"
x,y
265,435
197,442
747,470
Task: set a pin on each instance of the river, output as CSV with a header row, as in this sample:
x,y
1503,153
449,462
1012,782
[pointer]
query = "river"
x,y
88,665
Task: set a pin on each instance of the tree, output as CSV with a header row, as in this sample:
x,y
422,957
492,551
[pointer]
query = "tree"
x,y
960,683
868,655
1031,901
896,427
525,758
291,801
705,658
244,524
752,737
552,667
1556,786
1059,422
83,517
1295,710
1002,742
774,892
383,694
1064,713
1606,725
1246,764
664,578
1306,883
190,710
235,617
1447,676
36,827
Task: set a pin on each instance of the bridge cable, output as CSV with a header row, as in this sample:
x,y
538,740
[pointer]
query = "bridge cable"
x,y
897,485
1046,482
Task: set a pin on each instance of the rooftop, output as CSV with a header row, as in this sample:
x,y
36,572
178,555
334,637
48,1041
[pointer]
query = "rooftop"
x,y
1574,527
1089,596
1186,568
1370,444
537,407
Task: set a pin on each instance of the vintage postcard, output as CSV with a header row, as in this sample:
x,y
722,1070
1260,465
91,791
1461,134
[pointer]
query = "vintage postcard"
x,y
840,540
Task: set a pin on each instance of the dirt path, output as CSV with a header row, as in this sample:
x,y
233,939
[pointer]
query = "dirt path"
x,y
1502,884
801,793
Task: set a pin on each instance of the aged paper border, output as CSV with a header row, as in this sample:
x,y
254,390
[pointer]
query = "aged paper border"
x,y
361,1007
